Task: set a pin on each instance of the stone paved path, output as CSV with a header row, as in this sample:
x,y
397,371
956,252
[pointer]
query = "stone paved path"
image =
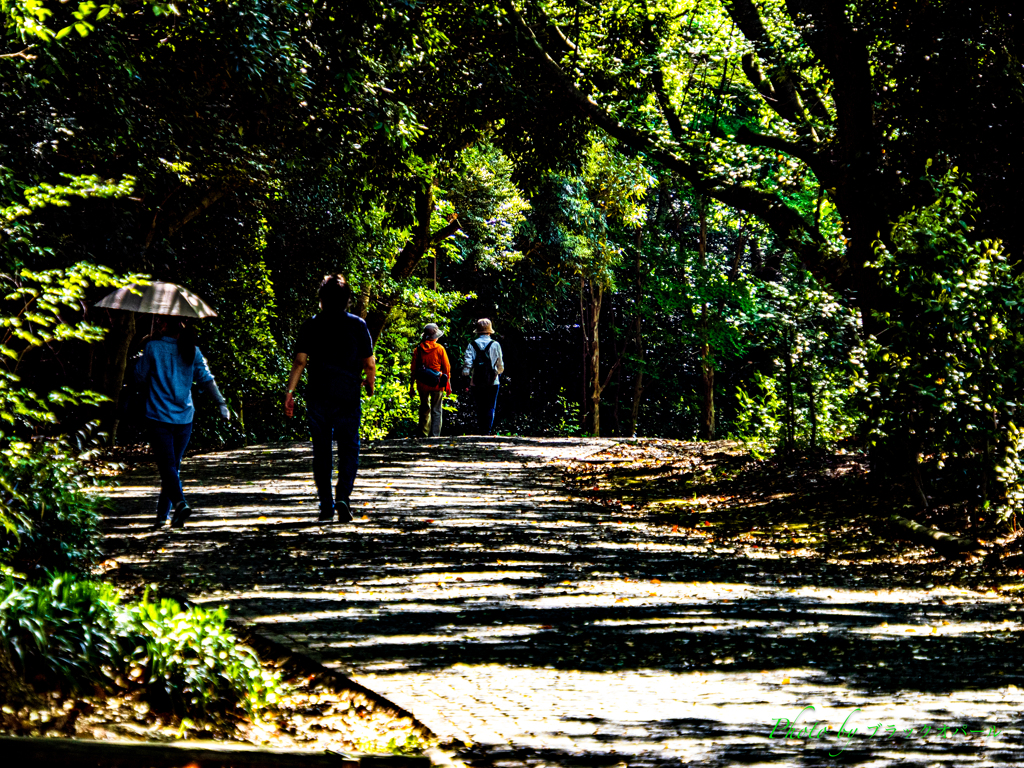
x,y
540,630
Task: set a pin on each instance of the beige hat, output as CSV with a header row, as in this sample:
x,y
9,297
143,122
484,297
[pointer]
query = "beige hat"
x,y
431,332
483,325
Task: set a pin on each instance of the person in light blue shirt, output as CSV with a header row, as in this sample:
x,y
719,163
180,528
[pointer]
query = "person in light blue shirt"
x,y
483,362
169,364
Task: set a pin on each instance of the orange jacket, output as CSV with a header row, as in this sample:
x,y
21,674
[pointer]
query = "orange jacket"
x,y
430,354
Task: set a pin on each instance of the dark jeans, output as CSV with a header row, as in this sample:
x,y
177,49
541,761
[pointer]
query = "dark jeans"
x,y
329,422
486,399
169,442
431,411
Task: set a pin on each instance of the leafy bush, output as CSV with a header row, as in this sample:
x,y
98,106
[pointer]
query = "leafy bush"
x,y
74,634
192,664
946,376
63,634
53,517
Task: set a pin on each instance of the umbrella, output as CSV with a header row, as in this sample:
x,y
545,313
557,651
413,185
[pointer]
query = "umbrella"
x,y
157,298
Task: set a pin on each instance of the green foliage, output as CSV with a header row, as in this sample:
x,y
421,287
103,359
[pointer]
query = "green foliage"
x,y
52,504
568,425
392,409
1010,474
74,634
807,397
63,631
190,663
41,487
945,378
30,18
489,207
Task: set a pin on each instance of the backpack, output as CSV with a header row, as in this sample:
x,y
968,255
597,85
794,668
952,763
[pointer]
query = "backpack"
x,y
483,369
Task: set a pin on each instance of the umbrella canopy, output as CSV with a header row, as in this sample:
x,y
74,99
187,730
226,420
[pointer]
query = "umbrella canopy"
x,y
158,298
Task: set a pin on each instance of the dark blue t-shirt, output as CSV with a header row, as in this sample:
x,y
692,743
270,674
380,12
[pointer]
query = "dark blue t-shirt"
x,y
337,343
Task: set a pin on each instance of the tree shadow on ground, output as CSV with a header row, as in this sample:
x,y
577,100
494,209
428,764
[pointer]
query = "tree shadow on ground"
x,y
473,557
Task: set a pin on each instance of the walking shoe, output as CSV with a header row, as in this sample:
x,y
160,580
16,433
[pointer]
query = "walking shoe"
x,y
344,511
181,512
325,516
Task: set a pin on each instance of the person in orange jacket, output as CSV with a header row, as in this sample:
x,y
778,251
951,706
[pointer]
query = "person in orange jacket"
x,y
431,376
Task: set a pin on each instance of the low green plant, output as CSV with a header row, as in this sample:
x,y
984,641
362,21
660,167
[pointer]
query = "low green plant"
x,y
72,634
193,665
567,425
64,633
52,512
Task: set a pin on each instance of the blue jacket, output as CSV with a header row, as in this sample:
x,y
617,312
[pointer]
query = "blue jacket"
x,y
170,380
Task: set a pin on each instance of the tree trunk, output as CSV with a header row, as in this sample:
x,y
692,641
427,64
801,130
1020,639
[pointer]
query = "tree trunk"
x,y
812,406
790,431
707,363
409,258
707,369
362,303
593,296
638,339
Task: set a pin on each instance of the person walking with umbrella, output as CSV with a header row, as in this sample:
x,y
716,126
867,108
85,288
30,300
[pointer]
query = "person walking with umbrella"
x,y
170,362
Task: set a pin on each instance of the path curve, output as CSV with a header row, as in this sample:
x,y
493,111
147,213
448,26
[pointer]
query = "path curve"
x,y
538,629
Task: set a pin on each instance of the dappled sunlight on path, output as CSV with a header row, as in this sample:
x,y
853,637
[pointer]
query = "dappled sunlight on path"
x,y
543,630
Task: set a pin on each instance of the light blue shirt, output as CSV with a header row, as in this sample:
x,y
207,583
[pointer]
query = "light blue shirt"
x,y
170,380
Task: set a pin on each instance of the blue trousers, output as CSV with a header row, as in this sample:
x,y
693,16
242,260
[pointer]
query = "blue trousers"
x,y
330,423
169,442
486,400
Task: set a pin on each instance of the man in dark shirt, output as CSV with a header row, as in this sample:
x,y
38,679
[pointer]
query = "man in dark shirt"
x,y
337,349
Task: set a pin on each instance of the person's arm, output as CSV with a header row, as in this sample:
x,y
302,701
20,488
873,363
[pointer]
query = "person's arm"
x,y
370,369
499,361
446,367
467,361
210,387
298,365
204,378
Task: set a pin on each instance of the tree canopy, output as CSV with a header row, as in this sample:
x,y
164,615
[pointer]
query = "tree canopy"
x,y
791,222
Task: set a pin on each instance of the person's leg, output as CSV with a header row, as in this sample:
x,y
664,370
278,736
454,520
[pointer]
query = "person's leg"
x,y
436,411
487,397
424,425
162,443
169,441
181,434
346,430
321,433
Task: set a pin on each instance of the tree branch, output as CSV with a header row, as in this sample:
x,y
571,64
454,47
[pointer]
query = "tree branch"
x,y
843,53
22,54
820,165
446,231
207,200
795,232
779,90
675,126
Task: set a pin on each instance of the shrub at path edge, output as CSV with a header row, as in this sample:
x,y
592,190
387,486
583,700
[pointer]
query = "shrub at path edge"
x,y
74,635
